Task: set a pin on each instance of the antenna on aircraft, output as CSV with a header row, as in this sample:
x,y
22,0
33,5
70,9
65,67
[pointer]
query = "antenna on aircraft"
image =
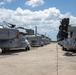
x,y
9,24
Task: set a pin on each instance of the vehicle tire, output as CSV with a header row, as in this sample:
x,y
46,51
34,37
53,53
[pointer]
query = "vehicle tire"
x,y
41,45
4,50
64,49
27,48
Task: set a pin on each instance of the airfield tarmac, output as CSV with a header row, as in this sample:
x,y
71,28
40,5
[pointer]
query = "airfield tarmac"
x,y
46,60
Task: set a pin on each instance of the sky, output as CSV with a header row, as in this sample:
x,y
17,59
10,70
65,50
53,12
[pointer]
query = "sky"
x,y
45,14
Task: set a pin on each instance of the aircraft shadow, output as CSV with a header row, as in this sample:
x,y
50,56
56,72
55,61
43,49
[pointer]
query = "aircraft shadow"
x,y
13,52
70,54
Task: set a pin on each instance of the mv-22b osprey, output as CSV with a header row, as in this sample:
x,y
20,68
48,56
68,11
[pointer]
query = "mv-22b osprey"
x,y
12,37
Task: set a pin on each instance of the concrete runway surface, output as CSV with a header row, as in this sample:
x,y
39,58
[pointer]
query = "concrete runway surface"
x,y
46,60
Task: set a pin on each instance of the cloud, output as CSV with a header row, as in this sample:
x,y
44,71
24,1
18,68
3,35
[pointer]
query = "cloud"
x,y
9,1
35,3
47,20
4,2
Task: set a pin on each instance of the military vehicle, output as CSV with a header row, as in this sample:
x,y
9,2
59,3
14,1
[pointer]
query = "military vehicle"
x,y
67,35
13,37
